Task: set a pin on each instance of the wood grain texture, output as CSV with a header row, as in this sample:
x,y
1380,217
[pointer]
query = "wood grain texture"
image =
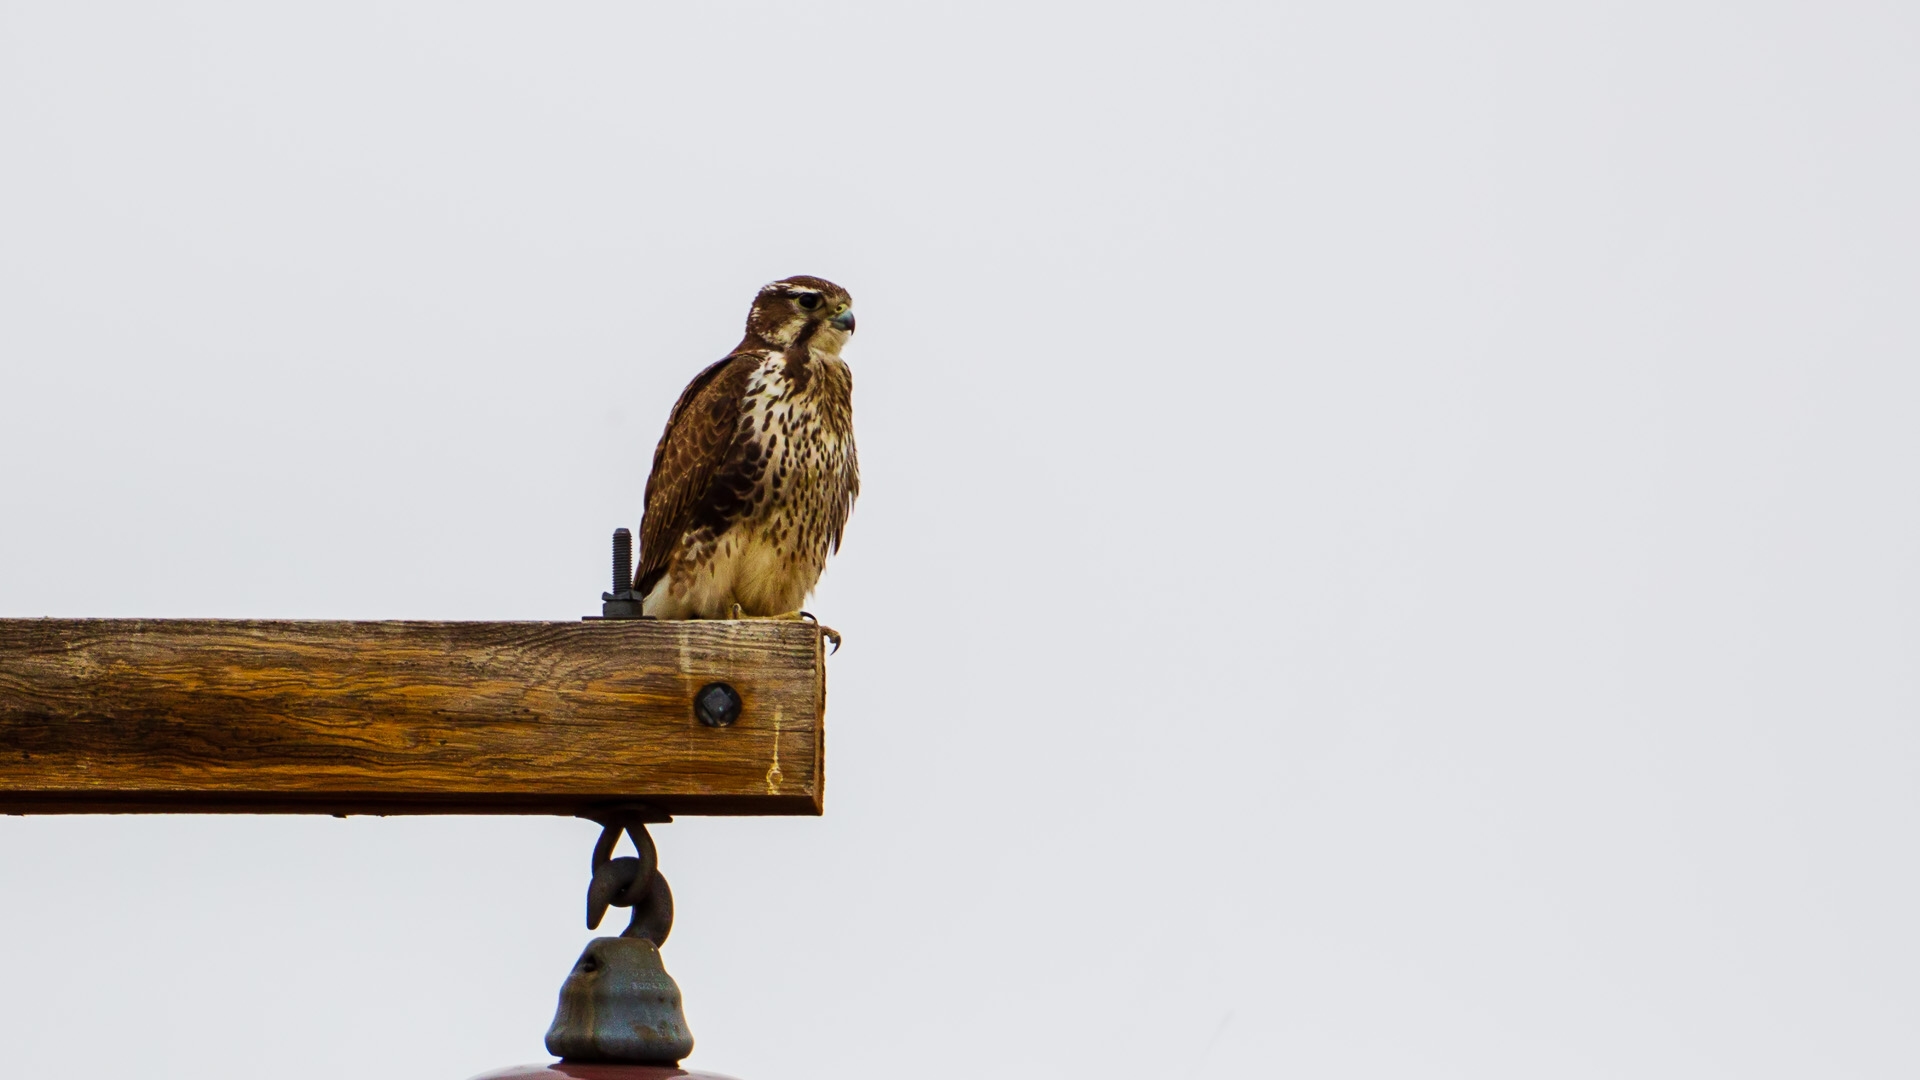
x,y
199,716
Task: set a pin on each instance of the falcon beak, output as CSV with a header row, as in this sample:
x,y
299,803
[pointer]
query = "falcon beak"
x,y
844,321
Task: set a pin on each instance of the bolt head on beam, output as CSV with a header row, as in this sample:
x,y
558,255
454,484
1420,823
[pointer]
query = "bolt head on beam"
x,y
717,704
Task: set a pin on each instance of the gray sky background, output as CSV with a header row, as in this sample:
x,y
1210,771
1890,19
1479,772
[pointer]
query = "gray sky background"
x,y
1388,547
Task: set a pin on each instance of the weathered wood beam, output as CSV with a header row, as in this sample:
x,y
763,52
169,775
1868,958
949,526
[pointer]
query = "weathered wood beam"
x,y
218,716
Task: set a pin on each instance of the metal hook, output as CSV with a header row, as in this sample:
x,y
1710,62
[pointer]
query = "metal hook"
x,y
630,881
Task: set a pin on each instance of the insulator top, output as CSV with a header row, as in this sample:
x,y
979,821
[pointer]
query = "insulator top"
x,y
568,1070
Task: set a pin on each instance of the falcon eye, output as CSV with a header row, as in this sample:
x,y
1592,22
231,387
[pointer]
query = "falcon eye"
x,y
809,300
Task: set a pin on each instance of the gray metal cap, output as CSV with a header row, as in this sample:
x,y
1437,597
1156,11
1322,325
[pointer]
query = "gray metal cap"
x,y
620,1005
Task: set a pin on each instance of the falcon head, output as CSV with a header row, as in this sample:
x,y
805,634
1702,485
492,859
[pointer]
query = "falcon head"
x,y
801,309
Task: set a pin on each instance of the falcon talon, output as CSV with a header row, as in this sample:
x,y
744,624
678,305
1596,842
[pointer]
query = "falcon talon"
x,y
825,631
831,634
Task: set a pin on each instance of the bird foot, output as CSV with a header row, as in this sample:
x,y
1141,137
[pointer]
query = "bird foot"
x,y
736,612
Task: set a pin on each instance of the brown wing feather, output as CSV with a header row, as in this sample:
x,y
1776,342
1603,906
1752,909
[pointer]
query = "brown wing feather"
x,y
699,433
843,500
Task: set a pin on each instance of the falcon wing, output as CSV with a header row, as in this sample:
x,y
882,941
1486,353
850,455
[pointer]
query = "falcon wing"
x,y
700,432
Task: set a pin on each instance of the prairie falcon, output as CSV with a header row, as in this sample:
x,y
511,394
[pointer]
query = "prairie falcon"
x,y
755,474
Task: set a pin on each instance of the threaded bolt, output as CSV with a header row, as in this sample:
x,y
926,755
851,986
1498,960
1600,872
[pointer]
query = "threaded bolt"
x,y
622,561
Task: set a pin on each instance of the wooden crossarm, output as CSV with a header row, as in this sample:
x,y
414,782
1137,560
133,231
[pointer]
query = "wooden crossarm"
x,y
209,716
